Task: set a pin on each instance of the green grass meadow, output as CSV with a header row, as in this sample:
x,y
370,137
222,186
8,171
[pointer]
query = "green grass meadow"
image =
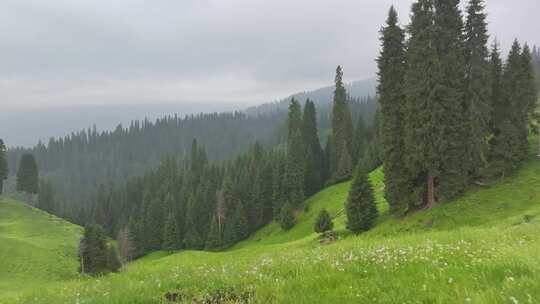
x,y
481,248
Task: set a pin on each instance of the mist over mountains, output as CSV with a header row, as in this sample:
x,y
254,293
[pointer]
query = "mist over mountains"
x,y
26,128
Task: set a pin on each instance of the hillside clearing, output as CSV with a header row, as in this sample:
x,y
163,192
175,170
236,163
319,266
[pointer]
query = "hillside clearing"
x,y
487,254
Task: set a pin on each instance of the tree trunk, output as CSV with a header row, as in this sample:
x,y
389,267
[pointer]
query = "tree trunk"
x,y
430,201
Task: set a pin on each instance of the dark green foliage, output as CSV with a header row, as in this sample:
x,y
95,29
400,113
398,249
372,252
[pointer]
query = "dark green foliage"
x,y
501,125
536,64
434,85
314,156
512,110
93,251
296,161
477,92
530,91
447,154
236,227
324,222
295,169
193,238
360,207
344,166
46,196
279,184
171,235
113,259
3,165
27,176
286,217
214,238
391,65
360,140
342,129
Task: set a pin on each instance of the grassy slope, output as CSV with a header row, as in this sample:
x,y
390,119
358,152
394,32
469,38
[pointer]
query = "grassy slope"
x,y
35,248
481,248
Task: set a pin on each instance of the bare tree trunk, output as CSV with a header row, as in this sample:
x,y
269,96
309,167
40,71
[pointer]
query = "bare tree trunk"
x,y
430,201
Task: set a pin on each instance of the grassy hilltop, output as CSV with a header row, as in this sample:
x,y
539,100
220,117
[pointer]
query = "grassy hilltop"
x,y
481,248
36,249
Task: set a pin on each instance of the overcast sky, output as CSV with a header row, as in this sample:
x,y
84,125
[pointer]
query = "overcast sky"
x,y
79,52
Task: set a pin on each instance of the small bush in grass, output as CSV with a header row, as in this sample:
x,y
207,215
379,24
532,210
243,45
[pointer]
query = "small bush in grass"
x,y
286,217
324,222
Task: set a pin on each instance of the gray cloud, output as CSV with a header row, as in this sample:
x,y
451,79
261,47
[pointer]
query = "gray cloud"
x,y
65,52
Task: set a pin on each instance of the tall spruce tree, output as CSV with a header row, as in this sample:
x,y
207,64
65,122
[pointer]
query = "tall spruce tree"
x,y
419,81
448,149
515,94
477,86
530,91
391,65
434,85
502,129
3,165
342,128
295,155
314,170
27,176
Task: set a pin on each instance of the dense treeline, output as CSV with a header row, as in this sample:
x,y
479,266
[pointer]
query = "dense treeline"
x,y
80,161
77,164
197,203
452,112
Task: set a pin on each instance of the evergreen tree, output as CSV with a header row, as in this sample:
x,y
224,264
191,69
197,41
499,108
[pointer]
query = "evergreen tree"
x,y
530,93
295,169
391,64
236,227
214,237
46,196
502,129
314,156
360,140
27,176
324,222
3,165
113,259
447,159
93,250
126,246
477,110
509,145
193,238
434,84
344,168
171,234
342,129
286,217
294,119
279,185
360,207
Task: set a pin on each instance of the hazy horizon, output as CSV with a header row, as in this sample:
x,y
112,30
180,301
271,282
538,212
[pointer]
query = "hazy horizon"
x,y
65,53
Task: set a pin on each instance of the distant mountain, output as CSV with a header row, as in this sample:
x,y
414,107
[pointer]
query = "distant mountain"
x,y
29,126
321,97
